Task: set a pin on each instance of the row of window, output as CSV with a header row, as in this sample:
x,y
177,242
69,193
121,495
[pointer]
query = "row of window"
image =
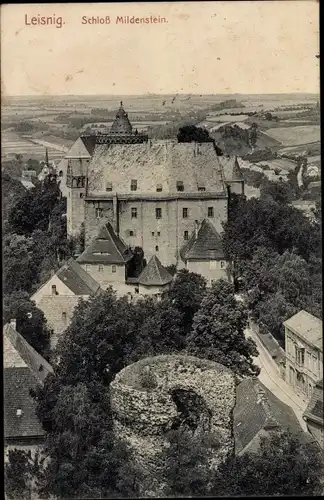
x,y
302,357
158,213
133,186
101,268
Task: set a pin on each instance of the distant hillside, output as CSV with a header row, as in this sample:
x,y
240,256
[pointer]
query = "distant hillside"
x,y
239,146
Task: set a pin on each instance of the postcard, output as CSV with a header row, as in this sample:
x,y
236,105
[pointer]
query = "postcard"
x,y
162,250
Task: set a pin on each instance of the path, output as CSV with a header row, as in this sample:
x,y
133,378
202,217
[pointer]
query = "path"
x,y
270,377
47,144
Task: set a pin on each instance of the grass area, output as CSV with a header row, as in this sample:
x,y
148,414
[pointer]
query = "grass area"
x,y
295,135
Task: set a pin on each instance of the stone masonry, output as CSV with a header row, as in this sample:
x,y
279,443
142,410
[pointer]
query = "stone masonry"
x,y
149,397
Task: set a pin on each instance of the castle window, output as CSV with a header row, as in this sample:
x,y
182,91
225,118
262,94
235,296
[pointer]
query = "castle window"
x,y
99,213
113,269
61,173
180,186
131,233
152,233
222,264
184,213
64,317
156,248
159,188
81,195
201,188
54,290
158,213
100,268
186,235
210,211
133,185
134,213
158,233
136,289
108,186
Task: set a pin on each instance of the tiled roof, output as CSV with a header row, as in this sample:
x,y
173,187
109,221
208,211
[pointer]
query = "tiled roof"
x,y
207,245
106,248
17,385
53,307
152,163
24,369
307,327
154,274
77,279
315,408
15,347
82,148
231,168
257,411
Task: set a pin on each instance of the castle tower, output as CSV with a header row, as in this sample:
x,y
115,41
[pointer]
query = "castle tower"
x,y
78,159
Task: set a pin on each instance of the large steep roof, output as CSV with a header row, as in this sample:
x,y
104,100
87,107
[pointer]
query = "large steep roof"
x,y
82,148
257,411
24,369
106,248
154,274
206,245
154,163
77,279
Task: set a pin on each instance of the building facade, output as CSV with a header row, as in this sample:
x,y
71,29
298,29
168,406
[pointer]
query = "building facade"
x,y
314,414
304,353
151,192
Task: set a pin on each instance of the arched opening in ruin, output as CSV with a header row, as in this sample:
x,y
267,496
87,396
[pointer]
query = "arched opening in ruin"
x,y
193,412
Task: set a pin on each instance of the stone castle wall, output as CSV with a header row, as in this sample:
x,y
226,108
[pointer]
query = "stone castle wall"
x,y
143,415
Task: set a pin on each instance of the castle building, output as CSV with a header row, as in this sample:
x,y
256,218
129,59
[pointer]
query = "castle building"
x,y
152,192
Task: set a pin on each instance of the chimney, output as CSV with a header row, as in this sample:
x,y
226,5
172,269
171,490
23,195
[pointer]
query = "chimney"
x,y
196,229
13,324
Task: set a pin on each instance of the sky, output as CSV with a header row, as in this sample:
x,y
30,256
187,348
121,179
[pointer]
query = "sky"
x,y
204,47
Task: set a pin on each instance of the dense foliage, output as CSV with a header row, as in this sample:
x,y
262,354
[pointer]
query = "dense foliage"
x,y
276,257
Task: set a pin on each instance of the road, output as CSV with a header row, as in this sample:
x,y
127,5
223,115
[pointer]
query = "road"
x,y
270,377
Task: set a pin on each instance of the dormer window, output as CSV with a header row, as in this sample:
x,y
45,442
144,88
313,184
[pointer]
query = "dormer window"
x,y
180,186
99,213
64,317
158,188
201,188
108,186
134,185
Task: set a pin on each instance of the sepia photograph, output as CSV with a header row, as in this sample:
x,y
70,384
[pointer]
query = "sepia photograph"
x,y
161,250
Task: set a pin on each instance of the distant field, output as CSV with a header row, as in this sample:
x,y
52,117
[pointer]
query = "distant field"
x,y
312,149
295,135
12,144
226,118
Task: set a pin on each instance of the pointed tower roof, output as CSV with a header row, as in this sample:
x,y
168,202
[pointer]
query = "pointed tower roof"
x,y
106,248
206,245
237,174
82,148
121,124
154,274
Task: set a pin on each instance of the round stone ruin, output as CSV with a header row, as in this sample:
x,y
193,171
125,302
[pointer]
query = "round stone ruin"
x,y
161,393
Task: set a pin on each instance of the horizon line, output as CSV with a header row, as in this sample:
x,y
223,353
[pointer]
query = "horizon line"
x,y
162,94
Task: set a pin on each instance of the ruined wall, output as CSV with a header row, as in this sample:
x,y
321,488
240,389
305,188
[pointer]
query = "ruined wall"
x,y
143,415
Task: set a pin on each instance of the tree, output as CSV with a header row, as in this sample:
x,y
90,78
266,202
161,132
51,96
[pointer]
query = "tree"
x,y
186,293
20,269
284,465
31,322
281,192
186,471
189,133
21,472
218,331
